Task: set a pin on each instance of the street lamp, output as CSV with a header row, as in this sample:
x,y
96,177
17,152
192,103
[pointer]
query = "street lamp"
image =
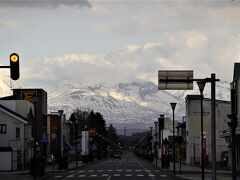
x,y
151,142
76,139
161,125
155,143
201,85
173,105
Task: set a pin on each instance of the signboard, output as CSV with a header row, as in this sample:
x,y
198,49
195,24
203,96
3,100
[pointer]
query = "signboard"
x,y
85,142
28,95
175,80
44,138
92,132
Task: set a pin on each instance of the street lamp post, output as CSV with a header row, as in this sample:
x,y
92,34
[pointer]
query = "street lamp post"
x,y
173,105
76,139
155,143
201,85
151,128
162,127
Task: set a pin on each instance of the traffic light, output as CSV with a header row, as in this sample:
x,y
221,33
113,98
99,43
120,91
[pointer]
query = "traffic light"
x,y
14,66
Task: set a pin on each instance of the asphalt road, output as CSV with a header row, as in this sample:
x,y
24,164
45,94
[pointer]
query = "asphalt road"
x,y
129,167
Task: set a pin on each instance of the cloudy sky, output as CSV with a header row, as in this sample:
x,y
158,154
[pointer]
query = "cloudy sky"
x,y
118,41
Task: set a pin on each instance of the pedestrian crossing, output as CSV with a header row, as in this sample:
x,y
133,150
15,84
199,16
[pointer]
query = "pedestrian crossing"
x,y
113,173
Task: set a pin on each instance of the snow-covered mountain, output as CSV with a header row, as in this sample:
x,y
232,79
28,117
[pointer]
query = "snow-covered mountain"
x,y
136,104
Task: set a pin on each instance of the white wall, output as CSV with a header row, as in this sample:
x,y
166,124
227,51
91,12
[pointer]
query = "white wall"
x,y
193,126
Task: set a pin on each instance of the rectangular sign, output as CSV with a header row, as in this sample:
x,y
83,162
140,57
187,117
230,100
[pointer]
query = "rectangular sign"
x,y
175,80
28,95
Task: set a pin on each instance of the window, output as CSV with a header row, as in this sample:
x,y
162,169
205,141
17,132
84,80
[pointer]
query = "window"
x,y
3,128
17,133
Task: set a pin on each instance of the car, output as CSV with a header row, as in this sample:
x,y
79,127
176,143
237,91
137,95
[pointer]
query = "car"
x,y
51,159
116,155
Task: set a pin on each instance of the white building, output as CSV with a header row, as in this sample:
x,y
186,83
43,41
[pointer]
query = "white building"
x,y
16,128
193,128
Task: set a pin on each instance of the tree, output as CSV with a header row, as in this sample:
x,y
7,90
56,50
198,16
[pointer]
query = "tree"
x,y
112,135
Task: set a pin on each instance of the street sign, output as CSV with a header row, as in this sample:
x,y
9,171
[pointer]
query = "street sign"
x,y
92,132
175,80
44,138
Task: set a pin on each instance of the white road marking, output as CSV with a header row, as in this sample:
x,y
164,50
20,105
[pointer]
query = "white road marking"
x,y
116,175
70,176
128,175
128,170
147,170
93,175
104,175
110,170
71,171
153,178
163,175
80,171
140,175
119,170
138,170
151,175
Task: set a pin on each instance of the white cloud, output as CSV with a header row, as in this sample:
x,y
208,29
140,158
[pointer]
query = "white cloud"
x,y
189,39
9,24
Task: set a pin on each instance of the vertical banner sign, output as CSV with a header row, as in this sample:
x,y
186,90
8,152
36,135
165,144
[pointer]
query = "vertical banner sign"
x,y
85,142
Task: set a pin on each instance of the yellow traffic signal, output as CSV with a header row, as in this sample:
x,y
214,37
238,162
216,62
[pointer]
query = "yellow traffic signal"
x,y
14,66
14,57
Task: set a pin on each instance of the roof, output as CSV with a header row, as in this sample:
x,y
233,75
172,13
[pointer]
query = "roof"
x,y
13,114
198,97
8,98
236,74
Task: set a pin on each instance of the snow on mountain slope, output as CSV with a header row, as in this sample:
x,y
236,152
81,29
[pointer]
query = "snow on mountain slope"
x,y
125,103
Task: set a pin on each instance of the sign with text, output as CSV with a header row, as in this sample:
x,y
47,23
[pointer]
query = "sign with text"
x,y
28,95
175,80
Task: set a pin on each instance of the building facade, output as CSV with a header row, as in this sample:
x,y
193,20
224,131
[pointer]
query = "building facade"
x,y
193,128
16,132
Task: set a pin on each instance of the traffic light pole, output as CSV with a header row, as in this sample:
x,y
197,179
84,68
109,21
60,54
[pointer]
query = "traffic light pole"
x,y
4,66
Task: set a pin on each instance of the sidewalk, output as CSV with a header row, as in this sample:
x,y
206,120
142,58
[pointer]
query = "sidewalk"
x,y
194,172
24,175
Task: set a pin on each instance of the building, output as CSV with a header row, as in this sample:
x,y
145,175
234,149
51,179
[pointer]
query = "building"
x,y
16,136
39,98
236,86
193,128
58,134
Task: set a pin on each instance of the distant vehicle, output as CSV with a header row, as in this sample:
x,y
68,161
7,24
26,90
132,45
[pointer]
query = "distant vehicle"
x,y
51,159
116,155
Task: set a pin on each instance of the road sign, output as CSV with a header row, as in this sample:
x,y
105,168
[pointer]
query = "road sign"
x,y
92,132
175,80
44,138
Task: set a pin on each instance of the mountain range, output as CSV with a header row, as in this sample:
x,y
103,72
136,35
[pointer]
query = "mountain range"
x,y
134,105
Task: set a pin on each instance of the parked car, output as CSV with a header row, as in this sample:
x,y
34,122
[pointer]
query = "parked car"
x,y
51,159
116,155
